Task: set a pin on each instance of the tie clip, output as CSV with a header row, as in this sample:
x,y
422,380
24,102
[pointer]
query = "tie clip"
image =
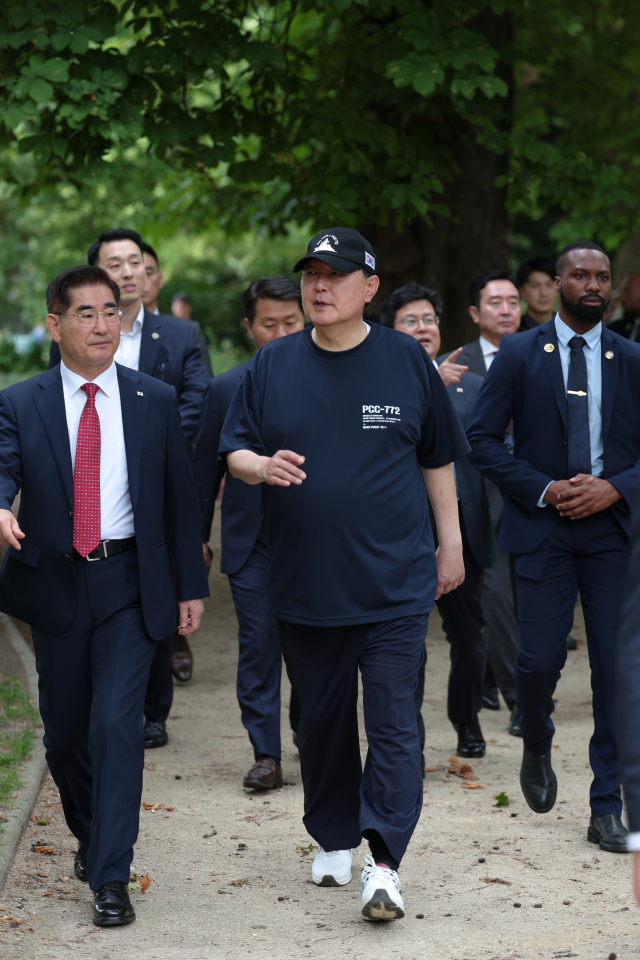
x,y
577,393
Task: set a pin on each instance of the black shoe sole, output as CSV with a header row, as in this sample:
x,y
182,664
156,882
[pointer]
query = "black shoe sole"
x,y
256,785
476,755
151,744
113,923
329,881
382,908
594,837
553,802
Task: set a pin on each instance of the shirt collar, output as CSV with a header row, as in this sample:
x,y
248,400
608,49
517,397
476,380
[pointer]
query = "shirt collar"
x,y
72,382
565,333
488,349
137,323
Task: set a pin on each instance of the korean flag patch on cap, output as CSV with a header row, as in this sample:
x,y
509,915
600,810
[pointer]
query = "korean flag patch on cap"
x,y
369,260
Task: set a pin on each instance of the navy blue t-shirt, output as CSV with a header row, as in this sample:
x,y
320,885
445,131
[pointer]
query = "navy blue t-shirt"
x,y
352,543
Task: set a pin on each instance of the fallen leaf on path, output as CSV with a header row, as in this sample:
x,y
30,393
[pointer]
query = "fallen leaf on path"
x,y
502,800
151,806
134,886
169,808
305,849
238,883
40,821
496,880
433,769
43,849
474,786
6,919
459,769
145,883
47,893
41,874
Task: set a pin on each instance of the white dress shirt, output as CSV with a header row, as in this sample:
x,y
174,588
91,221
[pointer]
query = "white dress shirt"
x,y
116,513
128,352
489,351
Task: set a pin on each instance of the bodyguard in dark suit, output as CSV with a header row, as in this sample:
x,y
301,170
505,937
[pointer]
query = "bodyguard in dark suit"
x,y
166,349
572,390
416,310
97,452
273,309
495,307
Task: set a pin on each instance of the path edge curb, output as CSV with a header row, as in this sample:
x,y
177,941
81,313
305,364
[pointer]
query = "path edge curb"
x,y
33,771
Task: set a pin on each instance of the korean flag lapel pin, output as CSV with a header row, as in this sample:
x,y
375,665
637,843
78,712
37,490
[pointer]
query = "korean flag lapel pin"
x,y
140,393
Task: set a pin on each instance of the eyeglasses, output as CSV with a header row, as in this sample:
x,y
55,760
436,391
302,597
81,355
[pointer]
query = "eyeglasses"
x,y
411,321
89,318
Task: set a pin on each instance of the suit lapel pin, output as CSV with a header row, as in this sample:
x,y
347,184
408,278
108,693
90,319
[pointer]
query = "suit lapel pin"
x,y
609,354
155,336
459,389
140,393
549,348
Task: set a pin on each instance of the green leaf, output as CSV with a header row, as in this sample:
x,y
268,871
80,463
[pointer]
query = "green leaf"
x,y
502,800
55,70
40,90
13,116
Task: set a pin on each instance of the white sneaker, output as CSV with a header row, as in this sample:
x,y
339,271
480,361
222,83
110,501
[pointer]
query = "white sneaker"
x,y
381,899
332,868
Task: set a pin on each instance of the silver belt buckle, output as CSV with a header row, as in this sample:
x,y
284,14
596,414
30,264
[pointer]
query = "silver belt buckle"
x,y
93,559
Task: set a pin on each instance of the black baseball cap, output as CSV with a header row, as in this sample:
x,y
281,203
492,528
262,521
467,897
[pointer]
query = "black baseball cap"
x,y
342,248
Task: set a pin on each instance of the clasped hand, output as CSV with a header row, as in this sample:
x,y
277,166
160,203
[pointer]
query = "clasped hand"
x,y
581,496
282,469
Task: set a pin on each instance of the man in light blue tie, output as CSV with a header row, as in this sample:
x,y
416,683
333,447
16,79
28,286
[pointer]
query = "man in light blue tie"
x,y
572,390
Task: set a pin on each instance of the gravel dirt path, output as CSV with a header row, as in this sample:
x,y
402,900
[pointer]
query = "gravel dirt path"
x,y
230,879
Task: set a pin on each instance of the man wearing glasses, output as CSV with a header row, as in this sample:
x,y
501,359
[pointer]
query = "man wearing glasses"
x,y
167,349
98,454
416,310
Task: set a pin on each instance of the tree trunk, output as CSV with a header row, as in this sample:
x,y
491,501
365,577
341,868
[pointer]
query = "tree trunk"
x,y
473,239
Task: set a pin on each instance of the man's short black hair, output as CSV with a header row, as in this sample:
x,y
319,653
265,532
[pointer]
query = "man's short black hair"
x,y
576,245
536,265
405,294
59,290
269,288
150,252
119,233
478,285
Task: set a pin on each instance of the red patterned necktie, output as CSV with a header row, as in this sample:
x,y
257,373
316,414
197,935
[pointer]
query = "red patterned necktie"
x,y
86,477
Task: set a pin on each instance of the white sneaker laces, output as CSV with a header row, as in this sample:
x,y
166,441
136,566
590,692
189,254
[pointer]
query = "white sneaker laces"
x,y
385,875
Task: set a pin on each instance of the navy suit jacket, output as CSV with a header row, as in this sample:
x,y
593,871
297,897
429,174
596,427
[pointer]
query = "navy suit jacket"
x,y
37,582
525,385
627,699
241,507
470,482
169,351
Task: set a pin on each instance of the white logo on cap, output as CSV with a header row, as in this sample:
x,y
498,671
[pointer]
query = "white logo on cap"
x,y
369,260
325,244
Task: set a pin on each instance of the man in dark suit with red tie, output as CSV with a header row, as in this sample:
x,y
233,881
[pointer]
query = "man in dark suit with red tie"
x,y
168,350
100,459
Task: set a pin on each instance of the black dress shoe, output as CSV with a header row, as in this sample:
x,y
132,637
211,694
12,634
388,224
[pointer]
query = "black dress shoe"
x,y
572,643
490,699
155,733
538,781
609,832
514,723
80,862
112,906
470,740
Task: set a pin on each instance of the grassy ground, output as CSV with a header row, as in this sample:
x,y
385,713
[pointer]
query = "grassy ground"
x,y
17,721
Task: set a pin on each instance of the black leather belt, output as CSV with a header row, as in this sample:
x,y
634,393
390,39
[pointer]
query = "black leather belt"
x,y
109,548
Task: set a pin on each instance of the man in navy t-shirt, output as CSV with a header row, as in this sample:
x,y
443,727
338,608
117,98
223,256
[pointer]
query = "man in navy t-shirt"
x,y
353,568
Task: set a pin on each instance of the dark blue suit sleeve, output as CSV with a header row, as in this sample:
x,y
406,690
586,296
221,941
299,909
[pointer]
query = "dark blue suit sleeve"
x,y
10,461
208,471
191,573
491,415
627,697
195,378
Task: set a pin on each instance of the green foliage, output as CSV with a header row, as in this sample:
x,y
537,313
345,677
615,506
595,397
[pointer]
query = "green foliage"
x,y
19,717
502,800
